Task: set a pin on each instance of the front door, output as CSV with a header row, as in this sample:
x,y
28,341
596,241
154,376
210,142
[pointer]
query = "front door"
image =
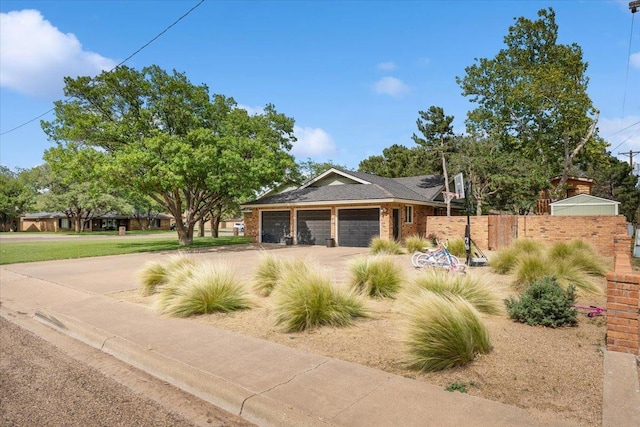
x,y
396,224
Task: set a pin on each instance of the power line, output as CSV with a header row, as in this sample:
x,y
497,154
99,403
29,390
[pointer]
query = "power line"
x,y
121,63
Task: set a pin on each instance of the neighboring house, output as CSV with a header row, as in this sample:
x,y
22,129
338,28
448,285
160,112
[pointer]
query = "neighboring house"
x,y
57,221
346,208
573,187
584,204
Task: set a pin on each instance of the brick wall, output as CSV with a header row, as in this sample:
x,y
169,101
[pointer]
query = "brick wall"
x,y
599,230
623,304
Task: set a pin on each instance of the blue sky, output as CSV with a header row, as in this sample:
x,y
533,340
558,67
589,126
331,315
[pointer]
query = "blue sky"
x,y
353,74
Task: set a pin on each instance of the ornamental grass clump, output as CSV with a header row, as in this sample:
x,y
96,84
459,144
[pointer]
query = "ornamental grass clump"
x,y
506,260
482,297
415,243
544,303
580,254
378,277
569,273
385,247
307,299
155,273
206,289
529,268
443,332
267,274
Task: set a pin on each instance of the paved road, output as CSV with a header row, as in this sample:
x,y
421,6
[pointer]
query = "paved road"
x,y
41,385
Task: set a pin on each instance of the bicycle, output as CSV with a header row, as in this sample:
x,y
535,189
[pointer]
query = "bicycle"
x,y
439,257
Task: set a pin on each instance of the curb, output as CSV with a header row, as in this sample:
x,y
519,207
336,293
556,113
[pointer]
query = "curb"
x,y
217,391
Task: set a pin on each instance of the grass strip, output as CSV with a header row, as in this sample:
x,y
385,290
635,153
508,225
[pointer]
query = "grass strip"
x,y
15,252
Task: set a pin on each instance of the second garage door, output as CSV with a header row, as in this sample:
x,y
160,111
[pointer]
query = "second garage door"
x,y
356,227
313,227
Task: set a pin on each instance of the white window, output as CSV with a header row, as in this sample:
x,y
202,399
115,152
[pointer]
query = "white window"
x,y
65,223
408,214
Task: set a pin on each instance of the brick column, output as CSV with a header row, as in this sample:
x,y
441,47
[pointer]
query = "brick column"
x,y
623,307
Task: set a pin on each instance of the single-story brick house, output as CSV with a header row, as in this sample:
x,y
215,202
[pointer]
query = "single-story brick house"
x,y
350,208
58,221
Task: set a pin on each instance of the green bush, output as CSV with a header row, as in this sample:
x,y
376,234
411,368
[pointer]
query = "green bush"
x,y
383,246
443,332
544,303
479,295
206,289
376,277
415,243
307,299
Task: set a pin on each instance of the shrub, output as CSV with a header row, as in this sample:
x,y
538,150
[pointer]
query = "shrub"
x,y
456,248
443,332
383,246
307,299
416,243
207,288
544,303
376,277
267,274
480,296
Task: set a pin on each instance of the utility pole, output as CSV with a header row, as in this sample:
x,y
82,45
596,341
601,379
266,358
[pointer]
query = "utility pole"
x,y
634,6
631,152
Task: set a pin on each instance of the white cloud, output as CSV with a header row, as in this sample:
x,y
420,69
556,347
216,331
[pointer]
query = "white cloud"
x,y
251,110
35,55
312,142
387,66
623,134
391,86
635,60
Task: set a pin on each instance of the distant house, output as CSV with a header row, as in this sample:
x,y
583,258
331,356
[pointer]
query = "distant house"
x,y
346,208
573,187
58,221
584,204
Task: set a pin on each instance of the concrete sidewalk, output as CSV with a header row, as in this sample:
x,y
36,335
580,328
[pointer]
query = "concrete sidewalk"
x,y
264,382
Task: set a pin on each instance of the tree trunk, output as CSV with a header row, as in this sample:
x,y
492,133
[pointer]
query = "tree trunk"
x,y
201,228
215,224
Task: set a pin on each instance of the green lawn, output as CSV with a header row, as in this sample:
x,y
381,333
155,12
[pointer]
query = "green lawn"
x,y
11,252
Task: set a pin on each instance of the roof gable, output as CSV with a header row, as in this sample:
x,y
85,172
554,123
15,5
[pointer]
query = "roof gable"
x,y
585,199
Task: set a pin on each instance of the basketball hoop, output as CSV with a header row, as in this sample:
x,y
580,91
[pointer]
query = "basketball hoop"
x,y
449,195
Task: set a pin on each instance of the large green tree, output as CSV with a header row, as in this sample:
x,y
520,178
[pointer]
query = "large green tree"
x,y
18,191
171,140
437,133
76,187
532,96
615,181
399,161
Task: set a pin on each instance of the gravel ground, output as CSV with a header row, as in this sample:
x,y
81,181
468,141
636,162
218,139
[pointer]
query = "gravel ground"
x,y
555,374
40,385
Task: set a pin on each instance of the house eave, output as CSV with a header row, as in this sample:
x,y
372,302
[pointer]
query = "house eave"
x,y
341,203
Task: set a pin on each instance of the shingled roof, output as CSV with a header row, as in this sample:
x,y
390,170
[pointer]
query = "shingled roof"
x,y
358,187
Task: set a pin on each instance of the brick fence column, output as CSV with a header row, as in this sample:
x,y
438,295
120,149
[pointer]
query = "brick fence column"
x,y
623,307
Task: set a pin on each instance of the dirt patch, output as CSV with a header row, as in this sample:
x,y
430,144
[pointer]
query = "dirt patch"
x,y
555,374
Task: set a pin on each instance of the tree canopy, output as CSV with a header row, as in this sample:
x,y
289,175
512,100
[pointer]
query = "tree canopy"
x,y
164,137
532,96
